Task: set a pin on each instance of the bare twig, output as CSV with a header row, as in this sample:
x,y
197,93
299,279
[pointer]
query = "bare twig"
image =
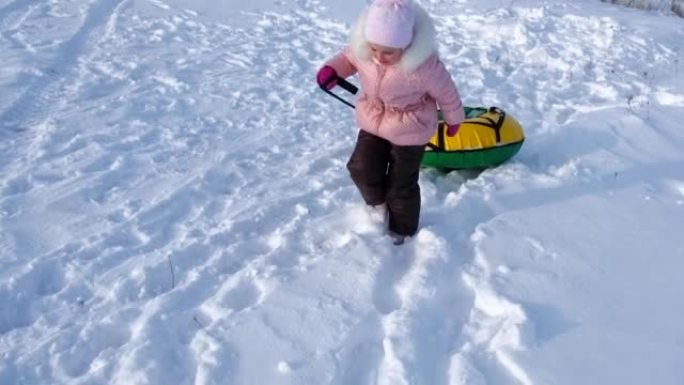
x,y
173,274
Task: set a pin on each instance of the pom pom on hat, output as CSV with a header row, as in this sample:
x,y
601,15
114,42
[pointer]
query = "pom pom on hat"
x,y
390,23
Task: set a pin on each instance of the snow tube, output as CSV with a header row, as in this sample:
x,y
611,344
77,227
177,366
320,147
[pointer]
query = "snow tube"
x,y
487,138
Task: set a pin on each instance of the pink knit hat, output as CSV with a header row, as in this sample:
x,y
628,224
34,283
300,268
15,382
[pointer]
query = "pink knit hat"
x,y
390,23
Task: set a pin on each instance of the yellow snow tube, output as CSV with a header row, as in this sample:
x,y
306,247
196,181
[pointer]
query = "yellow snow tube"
x,y
487,138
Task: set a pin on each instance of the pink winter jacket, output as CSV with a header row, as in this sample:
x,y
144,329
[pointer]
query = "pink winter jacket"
x,y
399,102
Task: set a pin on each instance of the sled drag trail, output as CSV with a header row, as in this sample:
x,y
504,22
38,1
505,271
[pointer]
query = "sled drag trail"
x,y
420,330
493,330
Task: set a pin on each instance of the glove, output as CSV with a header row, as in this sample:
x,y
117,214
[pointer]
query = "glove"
x,y
452,129
326,78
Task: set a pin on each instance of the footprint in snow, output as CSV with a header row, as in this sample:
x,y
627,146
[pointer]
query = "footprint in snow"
x,y
393,268
18,186
24,292
234,297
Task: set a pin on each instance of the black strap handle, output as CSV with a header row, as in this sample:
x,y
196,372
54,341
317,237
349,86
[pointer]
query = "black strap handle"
x,y
344,84
347,86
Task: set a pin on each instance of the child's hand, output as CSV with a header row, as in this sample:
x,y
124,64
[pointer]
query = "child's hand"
x,y
452,129
327,78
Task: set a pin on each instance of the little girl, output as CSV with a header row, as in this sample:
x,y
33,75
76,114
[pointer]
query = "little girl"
x,y
394,52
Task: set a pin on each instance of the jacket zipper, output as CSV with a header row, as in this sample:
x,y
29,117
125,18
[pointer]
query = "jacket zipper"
x,y
381,74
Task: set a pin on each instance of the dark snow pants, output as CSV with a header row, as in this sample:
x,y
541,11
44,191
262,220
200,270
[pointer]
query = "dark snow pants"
x,y
387,173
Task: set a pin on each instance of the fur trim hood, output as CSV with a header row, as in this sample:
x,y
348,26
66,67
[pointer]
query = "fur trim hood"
x,y
421,48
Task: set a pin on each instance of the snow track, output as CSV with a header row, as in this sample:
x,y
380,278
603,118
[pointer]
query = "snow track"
x,y
46,93
26,122
175,207
12,13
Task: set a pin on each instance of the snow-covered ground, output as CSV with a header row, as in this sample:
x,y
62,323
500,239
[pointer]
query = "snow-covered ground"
x,y
175,208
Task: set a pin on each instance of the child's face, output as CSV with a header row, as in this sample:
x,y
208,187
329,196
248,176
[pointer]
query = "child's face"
x,y
385,55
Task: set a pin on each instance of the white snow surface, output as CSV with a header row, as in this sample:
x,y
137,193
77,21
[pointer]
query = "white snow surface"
x,y
175,207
